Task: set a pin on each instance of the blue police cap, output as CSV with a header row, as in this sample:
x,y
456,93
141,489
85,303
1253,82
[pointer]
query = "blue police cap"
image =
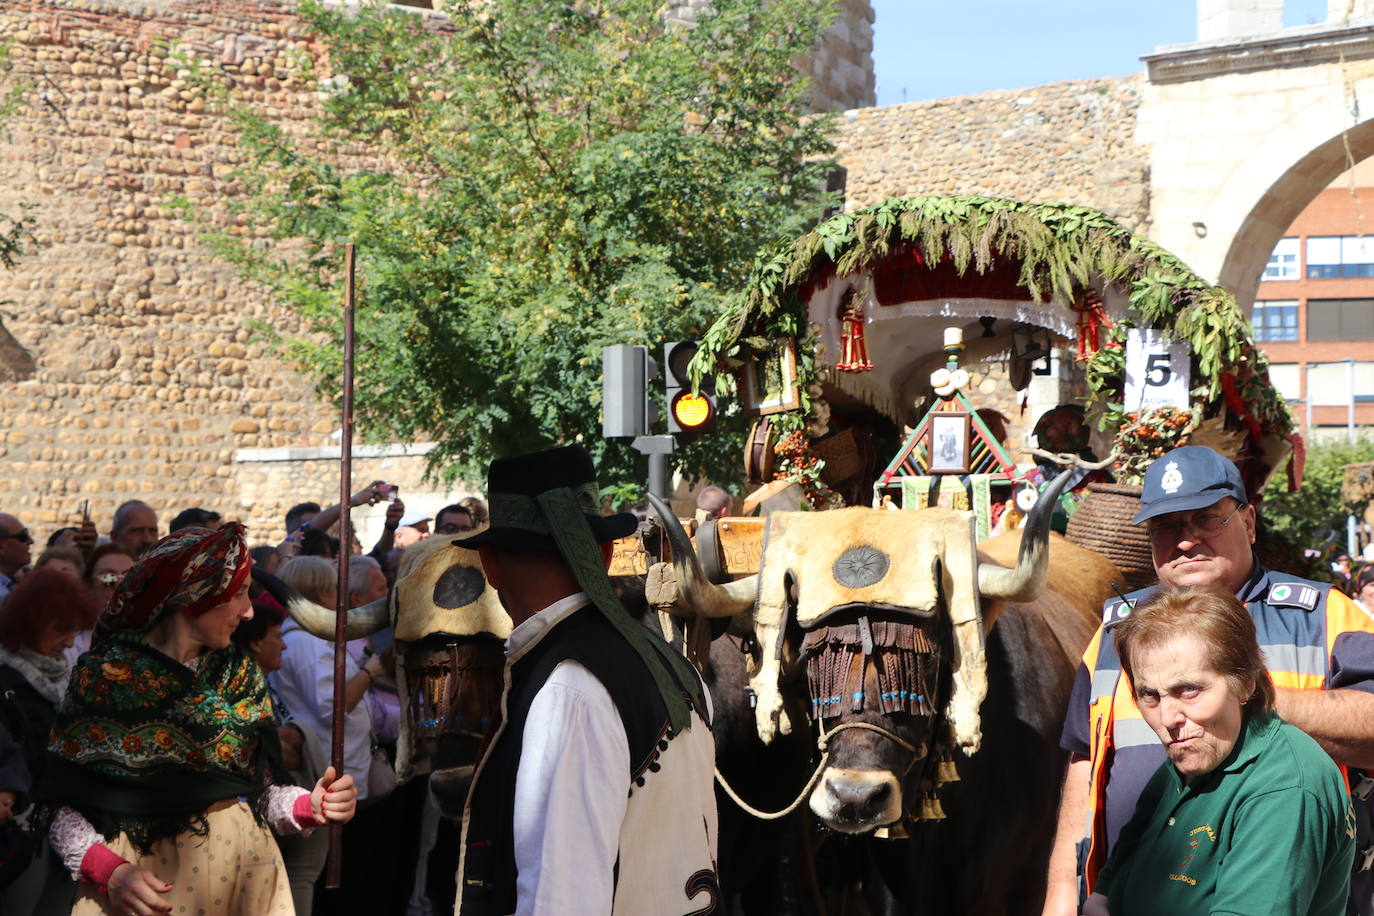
x,y
1191,477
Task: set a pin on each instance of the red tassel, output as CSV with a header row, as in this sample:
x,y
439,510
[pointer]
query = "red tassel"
x,y
1092,319
853,347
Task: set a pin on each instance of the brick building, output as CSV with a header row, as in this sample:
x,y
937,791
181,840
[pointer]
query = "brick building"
x,y
1314,314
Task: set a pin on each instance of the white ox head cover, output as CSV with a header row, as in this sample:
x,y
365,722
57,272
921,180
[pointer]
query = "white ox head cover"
x,y
439,589
872,557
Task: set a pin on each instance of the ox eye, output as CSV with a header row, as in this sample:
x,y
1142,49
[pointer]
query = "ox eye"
x,y
458,587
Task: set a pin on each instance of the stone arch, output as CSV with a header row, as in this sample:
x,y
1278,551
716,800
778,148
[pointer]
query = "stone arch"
x,y
1274,211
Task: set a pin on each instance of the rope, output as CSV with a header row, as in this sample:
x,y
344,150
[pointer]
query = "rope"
x,y
868,726
822,743
774,815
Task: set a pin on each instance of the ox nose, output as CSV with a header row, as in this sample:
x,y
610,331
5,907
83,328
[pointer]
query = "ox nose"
x,y
858,801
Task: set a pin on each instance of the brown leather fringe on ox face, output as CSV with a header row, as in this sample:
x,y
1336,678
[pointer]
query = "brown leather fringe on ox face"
x,y
455,685
903,657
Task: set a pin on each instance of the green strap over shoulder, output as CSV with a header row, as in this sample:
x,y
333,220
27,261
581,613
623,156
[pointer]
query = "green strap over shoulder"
x,y
564,518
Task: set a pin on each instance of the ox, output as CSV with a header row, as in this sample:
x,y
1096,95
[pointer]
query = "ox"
x,y
450,629
938,680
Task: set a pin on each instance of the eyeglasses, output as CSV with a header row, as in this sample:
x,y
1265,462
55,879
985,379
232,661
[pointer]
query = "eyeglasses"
x,y
1197,526
22,535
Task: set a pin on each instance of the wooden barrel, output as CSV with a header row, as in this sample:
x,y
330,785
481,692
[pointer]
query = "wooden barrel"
x,y
1102,523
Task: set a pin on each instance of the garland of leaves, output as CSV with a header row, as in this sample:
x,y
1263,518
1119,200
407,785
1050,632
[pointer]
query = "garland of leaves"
x,y
1062,250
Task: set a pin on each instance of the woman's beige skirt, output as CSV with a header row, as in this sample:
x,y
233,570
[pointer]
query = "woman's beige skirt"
x,y
235,870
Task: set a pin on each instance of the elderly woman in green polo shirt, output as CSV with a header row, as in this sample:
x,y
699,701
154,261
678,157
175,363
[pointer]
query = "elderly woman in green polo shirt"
x,y
1248,815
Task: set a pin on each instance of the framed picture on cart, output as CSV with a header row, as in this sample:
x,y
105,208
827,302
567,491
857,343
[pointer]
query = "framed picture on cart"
x,y
948,443
770,379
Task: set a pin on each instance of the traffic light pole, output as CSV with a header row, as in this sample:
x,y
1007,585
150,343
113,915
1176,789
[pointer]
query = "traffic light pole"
x,y
658,448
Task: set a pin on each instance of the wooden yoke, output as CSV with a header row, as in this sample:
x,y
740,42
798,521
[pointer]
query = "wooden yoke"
x,y
738,549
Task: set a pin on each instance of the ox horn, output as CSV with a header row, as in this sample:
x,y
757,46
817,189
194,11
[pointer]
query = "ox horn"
x,y
700,594
318,620
1026,580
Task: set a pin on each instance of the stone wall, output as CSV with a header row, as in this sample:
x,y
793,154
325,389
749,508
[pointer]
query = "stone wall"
x,y
1070,141
139,374
128,361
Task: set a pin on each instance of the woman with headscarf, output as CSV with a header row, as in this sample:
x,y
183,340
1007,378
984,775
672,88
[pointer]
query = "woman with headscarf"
x,y
164,765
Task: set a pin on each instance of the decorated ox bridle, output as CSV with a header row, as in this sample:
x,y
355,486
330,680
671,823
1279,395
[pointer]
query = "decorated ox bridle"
x,y
906,664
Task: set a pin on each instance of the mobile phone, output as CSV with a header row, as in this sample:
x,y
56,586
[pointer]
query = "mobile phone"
x,y
389,491
85,510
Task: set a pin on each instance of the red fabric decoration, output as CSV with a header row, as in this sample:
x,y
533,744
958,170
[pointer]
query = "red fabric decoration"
x,y
1092,319
853,348
1297,462
1231,394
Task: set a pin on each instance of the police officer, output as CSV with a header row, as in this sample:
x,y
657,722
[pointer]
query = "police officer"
x,y
1318,644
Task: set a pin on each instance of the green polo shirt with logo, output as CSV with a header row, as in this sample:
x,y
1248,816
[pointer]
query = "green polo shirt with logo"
x,y
1269,832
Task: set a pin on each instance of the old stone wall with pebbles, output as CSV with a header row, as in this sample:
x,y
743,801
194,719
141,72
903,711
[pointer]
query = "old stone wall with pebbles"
x,y
129,366
1069,141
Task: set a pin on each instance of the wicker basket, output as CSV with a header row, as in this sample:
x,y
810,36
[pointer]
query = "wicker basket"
x,y
843,461
1102,523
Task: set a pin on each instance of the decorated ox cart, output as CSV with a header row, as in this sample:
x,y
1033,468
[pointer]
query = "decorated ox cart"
x,y
887,346
927,657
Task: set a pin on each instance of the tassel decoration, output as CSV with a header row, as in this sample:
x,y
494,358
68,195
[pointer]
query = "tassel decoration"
x,y
1092,320
853,346
903,658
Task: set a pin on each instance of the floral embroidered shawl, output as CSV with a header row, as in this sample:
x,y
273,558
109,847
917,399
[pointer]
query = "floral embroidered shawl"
x,y
143,745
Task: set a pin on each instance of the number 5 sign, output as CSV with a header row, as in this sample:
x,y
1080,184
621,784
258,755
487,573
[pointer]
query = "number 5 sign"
x,y
1157,370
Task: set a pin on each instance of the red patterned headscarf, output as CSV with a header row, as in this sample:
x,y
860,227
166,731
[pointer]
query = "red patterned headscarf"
x,y
187,572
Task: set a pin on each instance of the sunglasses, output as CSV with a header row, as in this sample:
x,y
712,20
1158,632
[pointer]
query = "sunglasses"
x,y
22,535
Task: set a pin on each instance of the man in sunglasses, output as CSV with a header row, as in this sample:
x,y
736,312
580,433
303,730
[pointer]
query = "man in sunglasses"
x,y
1318,644
15,551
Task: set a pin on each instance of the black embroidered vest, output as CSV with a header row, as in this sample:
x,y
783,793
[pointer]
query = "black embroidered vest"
x,y
487,881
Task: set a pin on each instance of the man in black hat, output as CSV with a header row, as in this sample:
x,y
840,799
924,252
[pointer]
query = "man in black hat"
x,y
1318,644
594,794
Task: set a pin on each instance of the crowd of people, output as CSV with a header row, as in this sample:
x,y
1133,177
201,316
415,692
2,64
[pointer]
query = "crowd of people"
x,y
173,612
164,721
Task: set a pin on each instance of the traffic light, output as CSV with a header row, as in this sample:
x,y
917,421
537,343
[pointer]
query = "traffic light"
x,y
627,407
688,414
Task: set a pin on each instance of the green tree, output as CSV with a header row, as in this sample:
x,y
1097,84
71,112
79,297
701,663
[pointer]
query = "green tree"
x,y
564,175
1315,515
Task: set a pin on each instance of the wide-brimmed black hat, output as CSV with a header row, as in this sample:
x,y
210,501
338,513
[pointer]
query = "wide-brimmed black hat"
x,y
513,489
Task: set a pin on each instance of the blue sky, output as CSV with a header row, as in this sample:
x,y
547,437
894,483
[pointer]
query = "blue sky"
x,y
929,49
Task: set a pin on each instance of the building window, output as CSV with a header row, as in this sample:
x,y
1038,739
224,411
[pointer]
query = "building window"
x,y
1340,319
1287,379
1329,384
1275,321
1283,263
1331,256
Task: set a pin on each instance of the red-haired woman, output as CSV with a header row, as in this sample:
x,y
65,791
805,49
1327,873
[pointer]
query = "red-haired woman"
x,y
38,620
164,763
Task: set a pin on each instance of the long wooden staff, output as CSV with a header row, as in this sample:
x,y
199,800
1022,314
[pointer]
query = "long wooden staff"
x,y
336,748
